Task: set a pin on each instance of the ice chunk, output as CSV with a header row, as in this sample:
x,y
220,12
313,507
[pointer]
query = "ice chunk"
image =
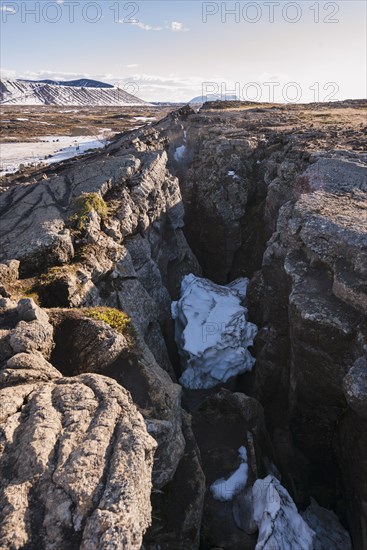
x,y
180,151
280,525
212,332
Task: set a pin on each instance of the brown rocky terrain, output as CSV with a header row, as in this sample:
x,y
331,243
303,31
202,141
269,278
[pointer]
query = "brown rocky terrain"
x,y
274,193
22,124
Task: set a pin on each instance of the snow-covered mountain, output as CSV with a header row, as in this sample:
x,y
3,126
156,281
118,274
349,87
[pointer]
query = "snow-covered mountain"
x,y
23,92
214,97
80,83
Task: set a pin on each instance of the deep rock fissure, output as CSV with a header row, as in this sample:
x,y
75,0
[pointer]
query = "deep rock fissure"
x,y
321,478
245,260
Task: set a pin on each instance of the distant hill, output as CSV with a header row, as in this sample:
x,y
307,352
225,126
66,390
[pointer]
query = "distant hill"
x,y
81,83
90,93
213,97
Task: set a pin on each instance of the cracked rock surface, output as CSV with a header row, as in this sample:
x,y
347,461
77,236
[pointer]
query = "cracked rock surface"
x,y
75,456
75,464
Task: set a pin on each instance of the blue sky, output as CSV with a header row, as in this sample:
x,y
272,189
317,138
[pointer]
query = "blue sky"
x,y
165,51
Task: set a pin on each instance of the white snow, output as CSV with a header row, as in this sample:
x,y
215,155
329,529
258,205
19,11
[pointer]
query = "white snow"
x,y
181,150
214,97
180,153
21,92
225,489
105,130
280,525
233,174
145,118
15,154
44,123
212,332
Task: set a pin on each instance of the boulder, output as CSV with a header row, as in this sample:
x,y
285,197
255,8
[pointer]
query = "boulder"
x,y
329,531
9,274
76,465
33,336
25,368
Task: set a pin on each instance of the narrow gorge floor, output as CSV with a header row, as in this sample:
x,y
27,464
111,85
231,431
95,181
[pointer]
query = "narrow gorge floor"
x,y
249,221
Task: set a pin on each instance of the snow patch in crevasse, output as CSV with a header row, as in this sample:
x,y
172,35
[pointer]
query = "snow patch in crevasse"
x,y
212,332
273,512
180,151
280,525
225,489
232,174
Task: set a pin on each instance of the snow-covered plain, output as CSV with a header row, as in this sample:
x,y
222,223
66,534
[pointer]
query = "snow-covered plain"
x,y
212,332
13,155
145,118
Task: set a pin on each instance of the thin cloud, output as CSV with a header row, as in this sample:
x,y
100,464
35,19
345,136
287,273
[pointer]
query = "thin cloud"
x,y
177,26
7,74
173,26
164,88
145,27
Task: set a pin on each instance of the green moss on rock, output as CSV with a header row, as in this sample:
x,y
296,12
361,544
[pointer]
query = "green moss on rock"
x,y
113,317
84,205
33,294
